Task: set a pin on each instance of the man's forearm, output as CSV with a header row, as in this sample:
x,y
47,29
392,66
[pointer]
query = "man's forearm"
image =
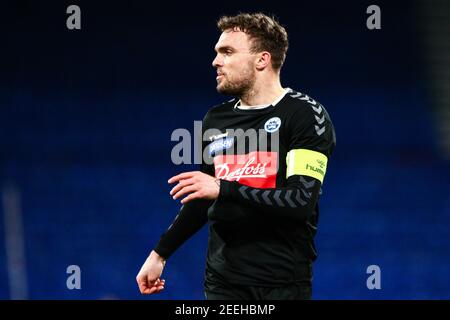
x,y
190,219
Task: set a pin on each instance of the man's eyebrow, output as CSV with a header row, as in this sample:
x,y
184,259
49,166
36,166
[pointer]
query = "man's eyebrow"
x,y
223,48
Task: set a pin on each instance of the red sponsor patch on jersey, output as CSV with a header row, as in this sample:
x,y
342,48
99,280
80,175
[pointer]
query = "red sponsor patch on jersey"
x,y
255,169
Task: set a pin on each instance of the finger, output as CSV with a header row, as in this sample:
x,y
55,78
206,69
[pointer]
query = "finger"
x,y
181,184
190,197
184,175
152,290
147,291
141,282
185,190
151,282
156,289
143,287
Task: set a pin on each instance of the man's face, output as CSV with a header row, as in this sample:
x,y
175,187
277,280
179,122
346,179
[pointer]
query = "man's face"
x,y
234,63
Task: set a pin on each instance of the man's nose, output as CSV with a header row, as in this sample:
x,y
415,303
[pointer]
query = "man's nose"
x,y
217,61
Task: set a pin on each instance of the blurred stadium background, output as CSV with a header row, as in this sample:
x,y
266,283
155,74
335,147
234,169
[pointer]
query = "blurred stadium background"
x,y
86,118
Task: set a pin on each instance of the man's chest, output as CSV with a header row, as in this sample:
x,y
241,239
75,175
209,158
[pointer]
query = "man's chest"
x,y
250,152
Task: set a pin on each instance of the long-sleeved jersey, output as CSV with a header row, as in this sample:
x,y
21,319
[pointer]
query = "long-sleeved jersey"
x,y
271,163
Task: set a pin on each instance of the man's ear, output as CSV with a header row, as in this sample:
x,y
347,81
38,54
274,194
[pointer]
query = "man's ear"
x,y
264,59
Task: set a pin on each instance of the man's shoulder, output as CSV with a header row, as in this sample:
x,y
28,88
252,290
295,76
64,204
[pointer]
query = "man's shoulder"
x,y
301,102
220,108
227,105
309,123
300,105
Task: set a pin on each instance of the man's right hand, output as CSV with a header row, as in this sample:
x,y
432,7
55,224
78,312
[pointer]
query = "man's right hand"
x,y
148,278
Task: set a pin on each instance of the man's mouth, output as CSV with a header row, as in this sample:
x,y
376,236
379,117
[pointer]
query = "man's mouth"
x,y
219,76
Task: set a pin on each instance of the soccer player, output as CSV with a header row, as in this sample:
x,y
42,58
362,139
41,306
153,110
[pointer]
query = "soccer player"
x,y
261,199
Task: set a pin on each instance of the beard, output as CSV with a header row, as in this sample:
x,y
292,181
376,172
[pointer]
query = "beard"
x,y
237,87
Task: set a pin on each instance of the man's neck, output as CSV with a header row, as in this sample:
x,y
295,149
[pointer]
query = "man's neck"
x,y
262,93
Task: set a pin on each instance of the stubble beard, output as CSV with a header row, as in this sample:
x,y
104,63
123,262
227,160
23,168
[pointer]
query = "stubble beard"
x,y
240,87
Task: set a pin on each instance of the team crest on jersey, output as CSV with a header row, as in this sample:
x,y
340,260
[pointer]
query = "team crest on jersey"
x,y
272,125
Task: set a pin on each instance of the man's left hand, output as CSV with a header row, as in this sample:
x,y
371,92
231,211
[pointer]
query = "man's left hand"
x,y
197,184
